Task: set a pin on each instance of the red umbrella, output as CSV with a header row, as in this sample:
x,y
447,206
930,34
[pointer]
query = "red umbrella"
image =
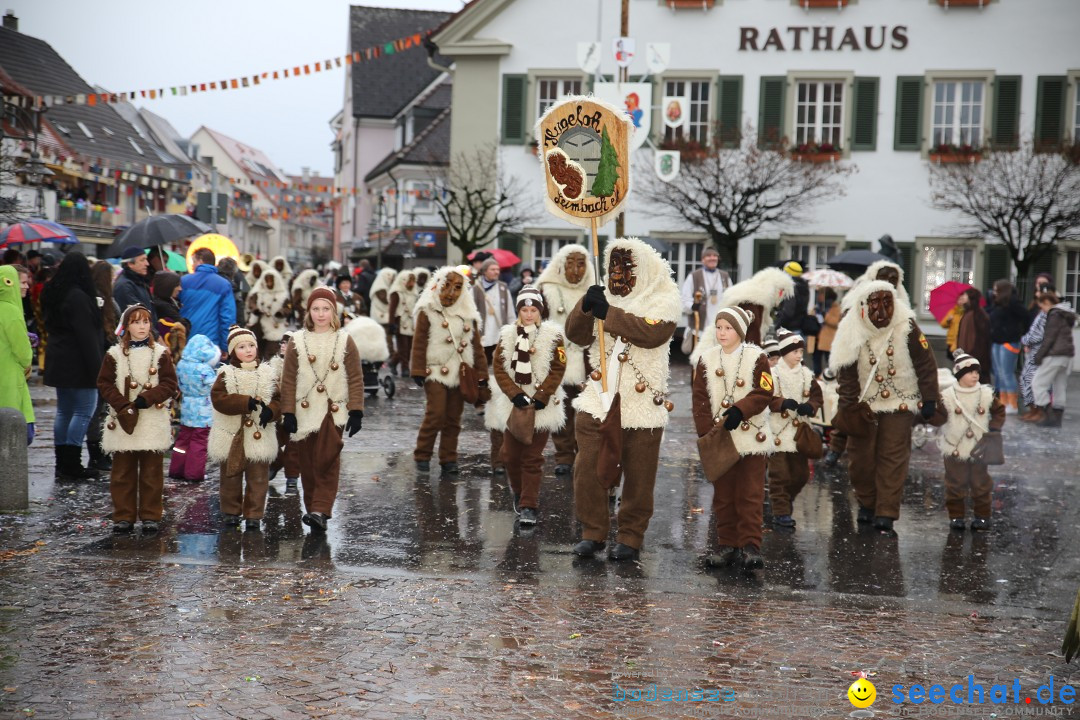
x,y
943,298
505,258
37,230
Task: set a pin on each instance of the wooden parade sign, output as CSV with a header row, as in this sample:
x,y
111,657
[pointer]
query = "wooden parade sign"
x,y
584,149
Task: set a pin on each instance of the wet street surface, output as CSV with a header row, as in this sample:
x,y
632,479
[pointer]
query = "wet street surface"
x,y
427,600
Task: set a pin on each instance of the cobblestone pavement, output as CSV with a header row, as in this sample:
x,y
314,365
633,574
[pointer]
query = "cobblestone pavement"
x,y
426,600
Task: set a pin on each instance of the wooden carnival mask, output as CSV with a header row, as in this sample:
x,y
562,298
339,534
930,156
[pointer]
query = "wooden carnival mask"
x,y
879,308
890,275
621,279
451,289
574,267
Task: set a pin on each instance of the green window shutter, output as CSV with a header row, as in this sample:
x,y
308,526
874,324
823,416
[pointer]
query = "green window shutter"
x,y
729,110
909,100
996,263
513,108
771,111
856,245
1007,111
1050,110
766,252
907,262
1046,263
864,122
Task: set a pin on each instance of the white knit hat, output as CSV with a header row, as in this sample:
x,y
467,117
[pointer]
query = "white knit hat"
x,y
738,318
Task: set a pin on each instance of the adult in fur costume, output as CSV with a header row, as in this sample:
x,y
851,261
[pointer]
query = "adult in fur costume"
x,y
403,295
302,286
640,307
529,363
445,338
761,294
380,303
284,269
886,373
563,283
268,311
255,271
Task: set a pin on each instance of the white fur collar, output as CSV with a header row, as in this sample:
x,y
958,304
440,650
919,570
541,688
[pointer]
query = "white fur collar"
x,y
554,273
465,307
855,328
655,294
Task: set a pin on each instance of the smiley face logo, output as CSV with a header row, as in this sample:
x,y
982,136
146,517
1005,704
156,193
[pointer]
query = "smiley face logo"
x,y
862,693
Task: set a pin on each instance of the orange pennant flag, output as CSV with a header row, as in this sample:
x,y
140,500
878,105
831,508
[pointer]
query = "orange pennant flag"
x,y
233,84
91,99
348,59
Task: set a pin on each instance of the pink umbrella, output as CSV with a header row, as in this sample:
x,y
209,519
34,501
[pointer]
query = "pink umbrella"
x,y
943,298
505,258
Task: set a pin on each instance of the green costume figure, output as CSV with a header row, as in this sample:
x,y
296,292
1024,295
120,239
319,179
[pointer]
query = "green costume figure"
x,y
15,353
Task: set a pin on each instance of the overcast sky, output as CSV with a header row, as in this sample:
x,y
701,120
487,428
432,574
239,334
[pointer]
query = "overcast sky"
x,y
126,45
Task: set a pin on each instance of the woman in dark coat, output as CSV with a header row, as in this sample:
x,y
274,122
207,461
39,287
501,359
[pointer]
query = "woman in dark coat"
x,y
1009,321
76,349
974,334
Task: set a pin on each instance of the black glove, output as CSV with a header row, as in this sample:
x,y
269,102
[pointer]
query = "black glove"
x,y
288,421
419,380
595,302
789,404
521,400
252,404
140,402
266,415
928,409
732,418
394,328
355,421
539,404
806,409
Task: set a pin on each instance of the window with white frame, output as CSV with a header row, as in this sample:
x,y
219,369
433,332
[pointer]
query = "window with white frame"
x,y
549,90
812,256
420,196
958,112
1072,278
699,93
684,258
819,112
942,263
544,248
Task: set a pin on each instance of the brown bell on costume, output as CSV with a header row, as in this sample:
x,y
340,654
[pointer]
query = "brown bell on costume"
x,y
257,435
879,377
147,386
886,394
444,370
981,411
784,414
595,375
159,405
958,411
740,383
760,437
311,358
153,371
776,442
427,371
623,357
640,387
806,393
892,372
658,400
304,404
725,404
719,372
969,434
889,351
111,425
532,351
320,388
668,405
249,422
334,366
449,339
334,408
903,407
745,426
956,453
445,324
133,384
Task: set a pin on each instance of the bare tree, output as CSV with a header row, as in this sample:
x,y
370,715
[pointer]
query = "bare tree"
x,y
478,201
13,206
733,193
1025,199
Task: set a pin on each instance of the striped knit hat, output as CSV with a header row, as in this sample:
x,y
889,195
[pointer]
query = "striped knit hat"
x,y
771,348
738,318
963,363
238,334
788,341
530,296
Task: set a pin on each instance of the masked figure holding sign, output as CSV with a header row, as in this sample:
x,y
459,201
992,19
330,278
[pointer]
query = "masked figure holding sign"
x,y
619,432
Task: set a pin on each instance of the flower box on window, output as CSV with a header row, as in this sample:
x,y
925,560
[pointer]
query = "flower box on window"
x,y
962,3
816,153
955,154
823,3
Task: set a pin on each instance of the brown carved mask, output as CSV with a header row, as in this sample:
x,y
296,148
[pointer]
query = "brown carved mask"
x,y
889,275
410,283
621,279
574,268
451,289
269,282
879,308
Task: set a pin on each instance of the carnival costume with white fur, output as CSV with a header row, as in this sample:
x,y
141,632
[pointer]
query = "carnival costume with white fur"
x,y
761,294
302,285
638,329
380,295
402,304
871,274
255,271
284,269
268,311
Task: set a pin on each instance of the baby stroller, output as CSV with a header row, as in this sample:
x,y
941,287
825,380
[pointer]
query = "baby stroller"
x,y
370,339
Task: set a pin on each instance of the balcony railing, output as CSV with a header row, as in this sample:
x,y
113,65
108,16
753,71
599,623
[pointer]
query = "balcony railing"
x,y
85,216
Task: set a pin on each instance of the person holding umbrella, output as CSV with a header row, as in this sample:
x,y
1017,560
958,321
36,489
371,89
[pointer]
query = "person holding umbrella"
x,y
132,287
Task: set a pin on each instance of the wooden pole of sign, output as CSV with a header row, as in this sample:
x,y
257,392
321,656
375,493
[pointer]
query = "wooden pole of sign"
x,y
600,323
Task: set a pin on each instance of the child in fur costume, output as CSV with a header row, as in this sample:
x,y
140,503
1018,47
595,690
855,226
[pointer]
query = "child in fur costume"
x,y
138,381
796,398
734,387
322,389
529,363
195,373
968,411
246,400
445,339
772,351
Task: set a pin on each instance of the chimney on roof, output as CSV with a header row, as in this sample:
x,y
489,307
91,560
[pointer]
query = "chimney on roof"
x,y
305,173
10,21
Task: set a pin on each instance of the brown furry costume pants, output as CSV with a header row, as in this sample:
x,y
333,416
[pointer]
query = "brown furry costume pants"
x,y
565,440
525,467
964,477
137,485
738,500
442,418
788,474
878,463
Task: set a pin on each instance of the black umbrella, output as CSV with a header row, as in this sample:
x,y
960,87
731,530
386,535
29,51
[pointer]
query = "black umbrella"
x,y
854,262
156,230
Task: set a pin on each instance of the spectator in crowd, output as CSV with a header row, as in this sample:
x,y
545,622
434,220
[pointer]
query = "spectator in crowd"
x,y
171,328
973,334
829,310
1043,282
792,313
16,355
1009,321
76,349
1054,358
228,269
525,277
206,299
364,278
101,272
132,287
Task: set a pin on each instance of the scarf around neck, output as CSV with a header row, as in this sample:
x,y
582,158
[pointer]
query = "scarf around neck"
x,y
523,355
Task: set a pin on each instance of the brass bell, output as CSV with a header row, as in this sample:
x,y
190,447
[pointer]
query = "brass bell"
x,y
532,351
981,411
784,414
467,329
147,386
885,394
427,371
304,404
903,407
719,372
320,388
889,351
969,434
920,404
668,405
879,378
892,372
725,404
153,371
311,358
776,442
159,405
257,435
562,310
745,425
873,360
444,370
334,408
795,422
740,382
640,387
449,339
249,422
595,375
334,366
956,453
958,411
445,324
806,393
760,437
556,401
111,425
623,357
133,384
658,399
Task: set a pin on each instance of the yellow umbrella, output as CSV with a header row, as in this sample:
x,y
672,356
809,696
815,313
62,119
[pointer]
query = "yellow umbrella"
x,y
219,244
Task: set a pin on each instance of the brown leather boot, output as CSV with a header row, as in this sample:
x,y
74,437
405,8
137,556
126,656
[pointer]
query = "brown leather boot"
x,y
1034,414
1052,417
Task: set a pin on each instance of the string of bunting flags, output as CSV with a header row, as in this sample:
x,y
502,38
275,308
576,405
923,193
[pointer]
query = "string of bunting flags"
x,y
375,52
